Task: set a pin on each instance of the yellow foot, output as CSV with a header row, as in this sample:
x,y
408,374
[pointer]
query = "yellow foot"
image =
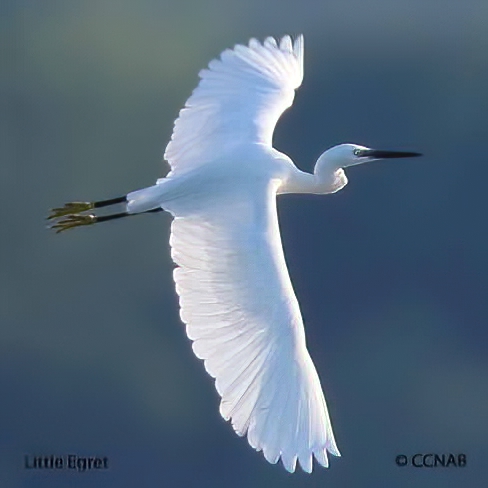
x,y
70,209
73,220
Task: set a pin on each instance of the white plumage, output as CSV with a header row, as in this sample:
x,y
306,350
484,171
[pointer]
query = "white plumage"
x,y
236,297
240,310
238,101
235,294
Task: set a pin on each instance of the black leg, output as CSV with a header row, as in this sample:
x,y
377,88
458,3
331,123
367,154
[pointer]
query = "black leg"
x,y
105,218
112,201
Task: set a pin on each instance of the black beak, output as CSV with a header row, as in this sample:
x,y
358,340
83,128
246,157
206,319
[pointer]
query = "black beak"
x,y
377,154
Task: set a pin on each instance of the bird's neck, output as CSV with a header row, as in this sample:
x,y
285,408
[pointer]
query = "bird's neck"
x,y
319,183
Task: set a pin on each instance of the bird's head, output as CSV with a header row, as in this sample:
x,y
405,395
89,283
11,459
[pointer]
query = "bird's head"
x,y
345,155
329,171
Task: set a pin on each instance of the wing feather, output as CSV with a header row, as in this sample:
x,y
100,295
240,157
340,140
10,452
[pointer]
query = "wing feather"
x,y
239,99
241,313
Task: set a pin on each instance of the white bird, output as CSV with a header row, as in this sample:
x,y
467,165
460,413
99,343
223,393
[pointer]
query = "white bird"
x,y
235,294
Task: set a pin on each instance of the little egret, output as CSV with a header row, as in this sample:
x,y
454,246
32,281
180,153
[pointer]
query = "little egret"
x,y
235,294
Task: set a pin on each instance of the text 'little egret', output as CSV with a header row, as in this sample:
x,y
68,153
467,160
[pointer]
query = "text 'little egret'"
x,y
235,295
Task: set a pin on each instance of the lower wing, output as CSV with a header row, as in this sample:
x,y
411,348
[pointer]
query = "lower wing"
x,y
242,315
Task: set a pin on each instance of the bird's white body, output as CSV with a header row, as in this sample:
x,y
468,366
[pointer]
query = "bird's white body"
x,y
236,297
245,166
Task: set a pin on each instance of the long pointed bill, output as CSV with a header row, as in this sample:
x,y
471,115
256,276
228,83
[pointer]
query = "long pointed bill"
x,y
378,154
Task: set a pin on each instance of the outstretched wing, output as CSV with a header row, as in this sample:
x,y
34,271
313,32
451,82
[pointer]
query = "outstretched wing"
x,y
239,99
242,315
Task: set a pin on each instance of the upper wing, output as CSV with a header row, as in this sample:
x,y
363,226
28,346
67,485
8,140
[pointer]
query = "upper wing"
x,y
240,311
240,98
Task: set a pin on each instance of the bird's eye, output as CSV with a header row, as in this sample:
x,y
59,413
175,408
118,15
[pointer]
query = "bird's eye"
x,y
357,152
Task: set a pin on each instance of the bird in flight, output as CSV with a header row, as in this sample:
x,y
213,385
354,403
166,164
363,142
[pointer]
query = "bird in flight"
x,y
235,294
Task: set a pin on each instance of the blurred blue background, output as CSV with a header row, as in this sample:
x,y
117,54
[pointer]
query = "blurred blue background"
x,y
391,272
